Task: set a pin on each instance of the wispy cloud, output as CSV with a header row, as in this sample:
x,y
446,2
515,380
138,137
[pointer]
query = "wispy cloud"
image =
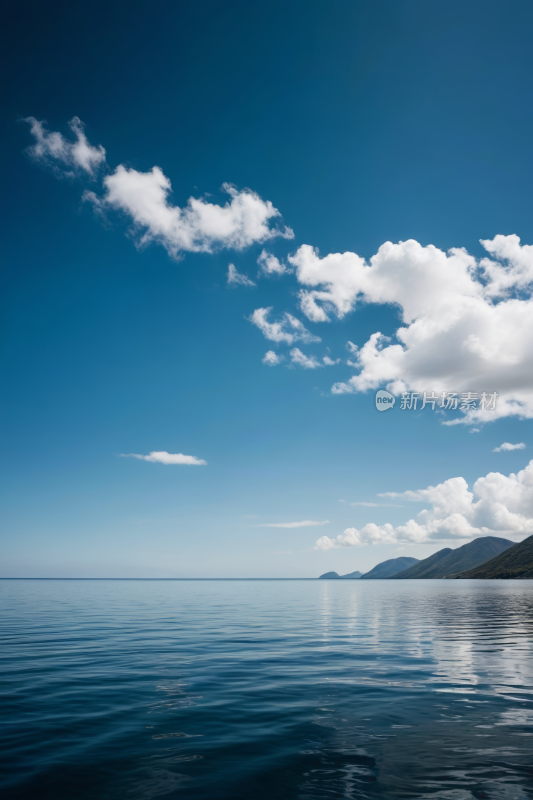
x,y
372,505
415,497
306,523
65,156
162,457
508,446
310,362
237,278
271,358
288,329
307,362
270,265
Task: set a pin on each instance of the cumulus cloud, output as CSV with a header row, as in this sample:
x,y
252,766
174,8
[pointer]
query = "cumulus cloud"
x,y
307,362
271,265
305,523
498,505
466,325
65,156
508,446
288,330
162,457
330,362
237,278
199,227
271,358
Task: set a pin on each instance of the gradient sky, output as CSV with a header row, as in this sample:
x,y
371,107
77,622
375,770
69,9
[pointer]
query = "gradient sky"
x,y
362,123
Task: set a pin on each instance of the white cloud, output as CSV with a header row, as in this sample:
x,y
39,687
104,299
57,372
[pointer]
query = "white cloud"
x,y
517,270
271,265
144,196
310,362
199,226
497,505
289,330
271,358
374,505
65,156
354,352
238,278
466,325
405,274
307,362
306,523
507,446
162,457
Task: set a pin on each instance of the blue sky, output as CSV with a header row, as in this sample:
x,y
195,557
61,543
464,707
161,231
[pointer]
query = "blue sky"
x,y
361,123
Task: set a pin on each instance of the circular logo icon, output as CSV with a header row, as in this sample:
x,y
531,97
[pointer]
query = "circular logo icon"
x,y
384,400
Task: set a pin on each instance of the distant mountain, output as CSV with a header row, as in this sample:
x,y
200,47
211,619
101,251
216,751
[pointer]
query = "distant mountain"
x,y
388,568
335,576
515,562
450,562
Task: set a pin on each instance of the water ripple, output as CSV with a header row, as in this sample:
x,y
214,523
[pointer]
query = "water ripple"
x,y
147,689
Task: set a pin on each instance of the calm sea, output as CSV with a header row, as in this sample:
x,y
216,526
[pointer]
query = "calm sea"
x,y
266,689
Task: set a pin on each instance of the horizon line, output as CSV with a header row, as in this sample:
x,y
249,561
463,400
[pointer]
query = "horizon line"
x,y
155,579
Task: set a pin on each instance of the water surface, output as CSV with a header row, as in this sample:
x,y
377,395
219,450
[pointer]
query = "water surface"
x,y
266,689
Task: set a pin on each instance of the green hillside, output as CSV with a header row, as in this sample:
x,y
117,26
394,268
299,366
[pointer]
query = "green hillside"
x,y
516,562
424,568
450,562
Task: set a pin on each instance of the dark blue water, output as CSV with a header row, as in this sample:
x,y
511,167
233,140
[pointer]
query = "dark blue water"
x,y
255,689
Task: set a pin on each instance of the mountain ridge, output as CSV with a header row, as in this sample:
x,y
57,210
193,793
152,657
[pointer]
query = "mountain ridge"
x,y
447,562
515,562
